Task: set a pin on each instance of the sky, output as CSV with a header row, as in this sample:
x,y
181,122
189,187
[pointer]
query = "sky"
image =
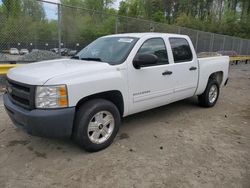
x,y
51,9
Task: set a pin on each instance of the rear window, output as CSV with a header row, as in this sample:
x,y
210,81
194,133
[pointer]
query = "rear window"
x,y
181,50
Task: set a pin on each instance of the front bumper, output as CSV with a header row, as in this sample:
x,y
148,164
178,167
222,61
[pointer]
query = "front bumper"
x,y
56,123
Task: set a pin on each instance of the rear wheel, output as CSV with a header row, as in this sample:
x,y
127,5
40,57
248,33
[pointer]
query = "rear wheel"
x,y
96,125
210,95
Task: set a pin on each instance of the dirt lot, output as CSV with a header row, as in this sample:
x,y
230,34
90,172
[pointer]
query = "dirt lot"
x,y
179,145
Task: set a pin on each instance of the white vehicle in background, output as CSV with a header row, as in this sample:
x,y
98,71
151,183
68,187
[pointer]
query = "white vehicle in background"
x,y
24,51
85,97
55,50
34,50
14,51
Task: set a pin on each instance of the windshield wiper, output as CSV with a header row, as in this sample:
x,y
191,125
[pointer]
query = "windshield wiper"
x,y
91,59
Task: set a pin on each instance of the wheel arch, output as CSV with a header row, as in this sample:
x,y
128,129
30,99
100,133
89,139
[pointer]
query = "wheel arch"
x,y
218,76
113,96
204,80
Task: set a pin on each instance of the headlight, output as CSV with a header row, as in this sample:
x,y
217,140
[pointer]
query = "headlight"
x,y
51,96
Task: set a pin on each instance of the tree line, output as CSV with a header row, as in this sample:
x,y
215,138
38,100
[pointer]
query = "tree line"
x,y
25,20
229,17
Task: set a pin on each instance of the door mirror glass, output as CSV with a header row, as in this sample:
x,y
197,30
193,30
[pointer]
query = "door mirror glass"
x,y
142,60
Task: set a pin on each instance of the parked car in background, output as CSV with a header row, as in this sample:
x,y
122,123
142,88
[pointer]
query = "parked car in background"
x,y
72,52
24,51
34,50
228,53
14,51
55,50
64,51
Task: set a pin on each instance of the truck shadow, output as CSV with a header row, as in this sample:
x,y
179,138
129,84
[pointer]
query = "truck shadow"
x,y
170,110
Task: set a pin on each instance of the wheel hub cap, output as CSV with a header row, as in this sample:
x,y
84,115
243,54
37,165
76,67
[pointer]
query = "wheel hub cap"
x,y
101,127
213,93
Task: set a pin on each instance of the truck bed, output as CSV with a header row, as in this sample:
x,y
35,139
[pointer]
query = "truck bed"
x,y
220,64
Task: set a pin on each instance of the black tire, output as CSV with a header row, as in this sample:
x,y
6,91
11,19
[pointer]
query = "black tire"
x,y
203,99
83,117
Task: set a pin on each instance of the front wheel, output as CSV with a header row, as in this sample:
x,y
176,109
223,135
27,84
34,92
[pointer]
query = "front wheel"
x,y
210,96
96,125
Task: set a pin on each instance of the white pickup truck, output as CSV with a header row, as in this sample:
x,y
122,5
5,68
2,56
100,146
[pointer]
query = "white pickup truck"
x,y
85,97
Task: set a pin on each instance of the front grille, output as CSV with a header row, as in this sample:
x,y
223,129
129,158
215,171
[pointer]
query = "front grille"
x,y
21,94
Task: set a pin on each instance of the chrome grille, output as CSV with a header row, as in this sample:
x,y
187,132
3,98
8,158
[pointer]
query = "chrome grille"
x,y
21,94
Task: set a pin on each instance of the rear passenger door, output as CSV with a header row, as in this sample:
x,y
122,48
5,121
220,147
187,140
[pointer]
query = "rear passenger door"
x,y
185,68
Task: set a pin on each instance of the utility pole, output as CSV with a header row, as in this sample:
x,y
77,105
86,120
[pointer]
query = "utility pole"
x,y
59,27
197,41
116,25
224,42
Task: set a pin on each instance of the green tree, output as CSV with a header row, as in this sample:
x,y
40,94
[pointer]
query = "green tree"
x,y
33,9
12,8
123,8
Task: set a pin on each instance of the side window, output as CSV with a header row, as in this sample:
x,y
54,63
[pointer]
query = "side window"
x,y
157,47
181,50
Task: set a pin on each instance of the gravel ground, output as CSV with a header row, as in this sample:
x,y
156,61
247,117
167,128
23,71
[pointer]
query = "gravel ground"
x,y
34,56
8,57
179,145
3,57
40,55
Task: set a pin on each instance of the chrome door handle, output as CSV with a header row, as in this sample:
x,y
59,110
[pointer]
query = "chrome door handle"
x,y
192,68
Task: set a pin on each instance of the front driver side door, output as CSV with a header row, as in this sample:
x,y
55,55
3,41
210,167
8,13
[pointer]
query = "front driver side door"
x,y
153,85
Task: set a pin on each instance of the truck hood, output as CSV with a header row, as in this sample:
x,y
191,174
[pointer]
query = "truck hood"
x,y
39,73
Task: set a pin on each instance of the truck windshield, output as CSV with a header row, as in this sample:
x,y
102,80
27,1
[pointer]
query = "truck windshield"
x,y
112,50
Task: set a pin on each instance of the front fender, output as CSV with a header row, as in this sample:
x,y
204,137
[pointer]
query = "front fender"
x,y
83,85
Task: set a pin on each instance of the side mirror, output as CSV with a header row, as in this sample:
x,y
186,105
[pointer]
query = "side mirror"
x,y
142,60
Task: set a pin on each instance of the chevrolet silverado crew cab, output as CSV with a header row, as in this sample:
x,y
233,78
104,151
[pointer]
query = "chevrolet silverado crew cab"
x,y
84,97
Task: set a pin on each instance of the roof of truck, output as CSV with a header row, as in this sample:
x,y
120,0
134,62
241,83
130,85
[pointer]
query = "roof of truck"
x,y
140,35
